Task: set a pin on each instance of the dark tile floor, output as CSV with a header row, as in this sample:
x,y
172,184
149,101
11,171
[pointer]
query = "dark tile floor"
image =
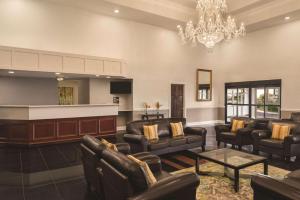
x,y
55,171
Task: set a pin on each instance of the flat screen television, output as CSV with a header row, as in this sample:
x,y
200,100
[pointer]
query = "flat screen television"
x,y
120,87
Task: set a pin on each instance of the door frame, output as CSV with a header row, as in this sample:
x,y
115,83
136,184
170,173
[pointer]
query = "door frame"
x,y
184,97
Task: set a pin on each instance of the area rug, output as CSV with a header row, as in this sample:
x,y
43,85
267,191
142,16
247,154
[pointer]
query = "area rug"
x,y
217,187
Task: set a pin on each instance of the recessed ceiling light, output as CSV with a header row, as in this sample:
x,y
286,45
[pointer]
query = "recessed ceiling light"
x,y
116,11
108,77
11,72
97,75
57,73
60,79
287,18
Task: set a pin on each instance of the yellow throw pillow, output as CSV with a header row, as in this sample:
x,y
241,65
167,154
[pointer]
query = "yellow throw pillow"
x,y
275,131
280,132
236,125
284,132
109,145
177,129
151,180
150,132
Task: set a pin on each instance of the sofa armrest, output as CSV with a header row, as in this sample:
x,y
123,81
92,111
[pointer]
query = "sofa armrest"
x,y
222,128
175,187
195,131
152,160
265,186
132,138
292,139
245,131
123,148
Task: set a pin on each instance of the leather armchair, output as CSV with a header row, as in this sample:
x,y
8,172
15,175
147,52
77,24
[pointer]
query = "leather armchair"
x,y
267,188
129,181
241,137
193,137
92,149
286,148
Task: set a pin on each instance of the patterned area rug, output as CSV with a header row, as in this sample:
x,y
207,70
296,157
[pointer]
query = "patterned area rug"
x,y
217,187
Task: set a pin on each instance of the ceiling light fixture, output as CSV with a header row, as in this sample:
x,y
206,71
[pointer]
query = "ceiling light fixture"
x,y
97,75
60,79
214,25
11,72
116,11
108,77
57,73
287,18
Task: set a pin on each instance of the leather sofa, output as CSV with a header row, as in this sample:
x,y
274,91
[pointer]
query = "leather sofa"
x,y
267,188
242,136
193,137
117,177
286,148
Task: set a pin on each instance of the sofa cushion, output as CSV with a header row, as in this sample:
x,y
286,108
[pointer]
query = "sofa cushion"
x,y
176,141
158,144
193,139
272,143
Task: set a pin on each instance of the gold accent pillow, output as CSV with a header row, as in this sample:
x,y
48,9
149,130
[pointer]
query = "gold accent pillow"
x,y
279,132
177,129
150,132
236,125
150,178
109,145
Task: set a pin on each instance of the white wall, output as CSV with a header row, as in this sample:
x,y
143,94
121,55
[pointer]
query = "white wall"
x,y
271,53
154,56
28,91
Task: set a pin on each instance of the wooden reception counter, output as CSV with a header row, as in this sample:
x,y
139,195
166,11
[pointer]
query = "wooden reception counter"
x,y
54,123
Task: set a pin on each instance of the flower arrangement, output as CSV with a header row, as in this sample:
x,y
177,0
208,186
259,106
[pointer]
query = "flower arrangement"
x,y
157,106
146,106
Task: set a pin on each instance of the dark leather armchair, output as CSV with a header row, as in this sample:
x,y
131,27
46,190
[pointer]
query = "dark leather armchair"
x,y
286,148
241,137
193,137
267,188
92,149
123,179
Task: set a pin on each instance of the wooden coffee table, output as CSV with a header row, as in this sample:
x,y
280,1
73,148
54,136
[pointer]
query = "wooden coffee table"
x,y
229,158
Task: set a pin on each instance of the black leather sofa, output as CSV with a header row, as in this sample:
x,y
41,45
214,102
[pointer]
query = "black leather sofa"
x,y
116,177
286,148
242,136
267,188
193,137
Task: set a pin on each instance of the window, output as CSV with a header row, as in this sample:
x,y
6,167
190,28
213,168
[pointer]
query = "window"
x,y
258,99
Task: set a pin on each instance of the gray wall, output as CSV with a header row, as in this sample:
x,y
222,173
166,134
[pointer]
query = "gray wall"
x,y
28,91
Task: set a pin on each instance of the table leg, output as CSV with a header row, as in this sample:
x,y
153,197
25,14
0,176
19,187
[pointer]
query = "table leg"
x,y
197,167
236,180
266,167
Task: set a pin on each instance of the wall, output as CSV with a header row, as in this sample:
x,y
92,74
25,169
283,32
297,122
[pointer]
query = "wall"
x,y
271,53
28,91
155,57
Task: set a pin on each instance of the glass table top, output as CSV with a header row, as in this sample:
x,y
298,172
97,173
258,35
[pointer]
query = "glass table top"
x,y
229,156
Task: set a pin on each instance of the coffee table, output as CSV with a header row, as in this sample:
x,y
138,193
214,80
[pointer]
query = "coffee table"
x,y
229,158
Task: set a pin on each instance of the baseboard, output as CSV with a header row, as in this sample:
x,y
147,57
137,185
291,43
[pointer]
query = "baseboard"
x,y
206,123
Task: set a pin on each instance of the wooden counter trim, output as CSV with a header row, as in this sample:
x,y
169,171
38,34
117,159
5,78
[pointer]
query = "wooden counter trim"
x,y
59,130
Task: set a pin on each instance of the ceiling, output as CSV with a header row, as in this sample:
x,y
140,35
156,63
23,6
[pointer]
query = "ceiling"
x,y
256,14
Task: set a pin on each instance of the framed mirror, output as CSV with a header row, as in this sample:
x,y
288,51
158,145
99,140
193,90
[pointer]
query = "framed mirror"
x,y
204,85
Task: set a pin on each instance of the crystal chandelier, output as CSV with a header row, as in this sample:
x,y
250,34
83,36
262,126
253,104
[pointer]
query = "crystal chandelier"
x,y
212,27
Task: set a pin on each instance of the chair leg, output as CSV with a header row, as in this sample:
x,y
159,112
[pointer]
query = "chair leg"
x,y
240,147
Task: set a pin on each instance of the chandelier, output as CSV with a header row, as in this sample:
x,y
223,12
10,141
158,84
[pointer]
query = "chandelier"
x,y
212,27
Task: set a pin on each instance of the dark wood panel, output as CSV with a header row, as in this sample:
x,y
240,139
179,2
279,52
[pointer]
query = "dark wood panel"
x,y
19,131
107,125
177,100
67,128
44,129
88,126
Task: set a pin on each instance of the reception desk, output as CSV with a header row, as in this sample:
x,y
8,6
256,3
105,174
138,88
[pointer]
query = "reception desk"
x,y
54,123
